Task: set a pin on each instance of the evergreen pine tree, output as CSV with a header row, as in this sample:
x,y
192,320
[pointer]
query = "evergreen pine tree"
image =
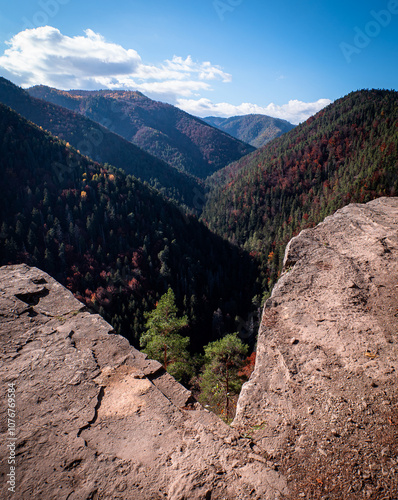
x,y
220,380
162,340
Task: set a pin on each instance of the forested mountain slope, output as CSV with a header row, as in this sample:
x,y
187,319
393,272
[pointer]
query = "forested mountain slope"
x,y
116,243
182,140
348,152
256,130
100,144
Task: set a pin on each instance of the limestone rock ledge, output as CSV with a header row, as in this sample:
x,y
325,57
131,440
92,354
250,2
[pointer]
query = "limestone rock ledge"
x,y
97,420
322,399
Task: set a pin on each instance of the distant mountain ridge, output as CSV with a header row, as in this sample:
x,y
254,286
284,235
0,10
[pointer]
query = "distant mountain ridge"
x,y
256,130
100,143
172,135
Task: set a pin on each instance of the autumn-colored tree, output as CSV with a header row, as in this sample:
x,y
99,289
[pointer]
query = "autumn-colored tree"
x,y
248,367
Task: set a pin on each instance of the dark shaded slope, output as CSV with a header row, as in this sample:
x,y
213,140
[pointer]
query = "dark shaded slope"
x,y
99,143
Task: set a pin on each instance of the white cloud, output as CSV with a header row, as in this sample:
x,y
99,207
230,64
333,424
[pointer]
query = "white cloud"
x,y
205,70
294,111
45,56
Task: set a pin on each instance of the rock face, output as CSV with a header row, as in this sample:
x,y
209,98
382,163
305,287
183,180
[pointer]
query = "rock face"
x,y
323,397
95,419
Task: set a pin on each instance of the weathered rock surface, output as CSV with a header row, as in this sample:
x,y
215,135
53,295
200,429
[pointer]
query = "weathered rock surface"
x,y
97,420
323,397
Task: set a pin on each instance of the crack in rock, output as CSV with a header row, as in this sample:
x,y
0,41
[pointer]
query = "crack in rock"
x,y
96,408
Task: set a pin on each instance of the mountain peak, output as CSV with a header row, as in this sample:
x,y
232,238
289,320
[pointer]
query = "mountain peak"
x,y
255,129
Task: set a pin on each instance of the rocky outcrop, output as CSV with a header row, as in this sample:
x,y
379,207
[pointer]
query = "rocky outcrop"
x,y
323,397
95,419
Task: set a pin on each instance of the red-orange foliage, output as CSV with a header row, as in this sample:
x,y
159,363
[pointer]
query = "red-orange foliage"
x,y
248,368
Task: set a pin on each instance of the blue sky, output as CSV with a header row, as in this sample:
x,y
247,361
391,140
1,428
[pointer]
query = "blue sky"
x,y
210,57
